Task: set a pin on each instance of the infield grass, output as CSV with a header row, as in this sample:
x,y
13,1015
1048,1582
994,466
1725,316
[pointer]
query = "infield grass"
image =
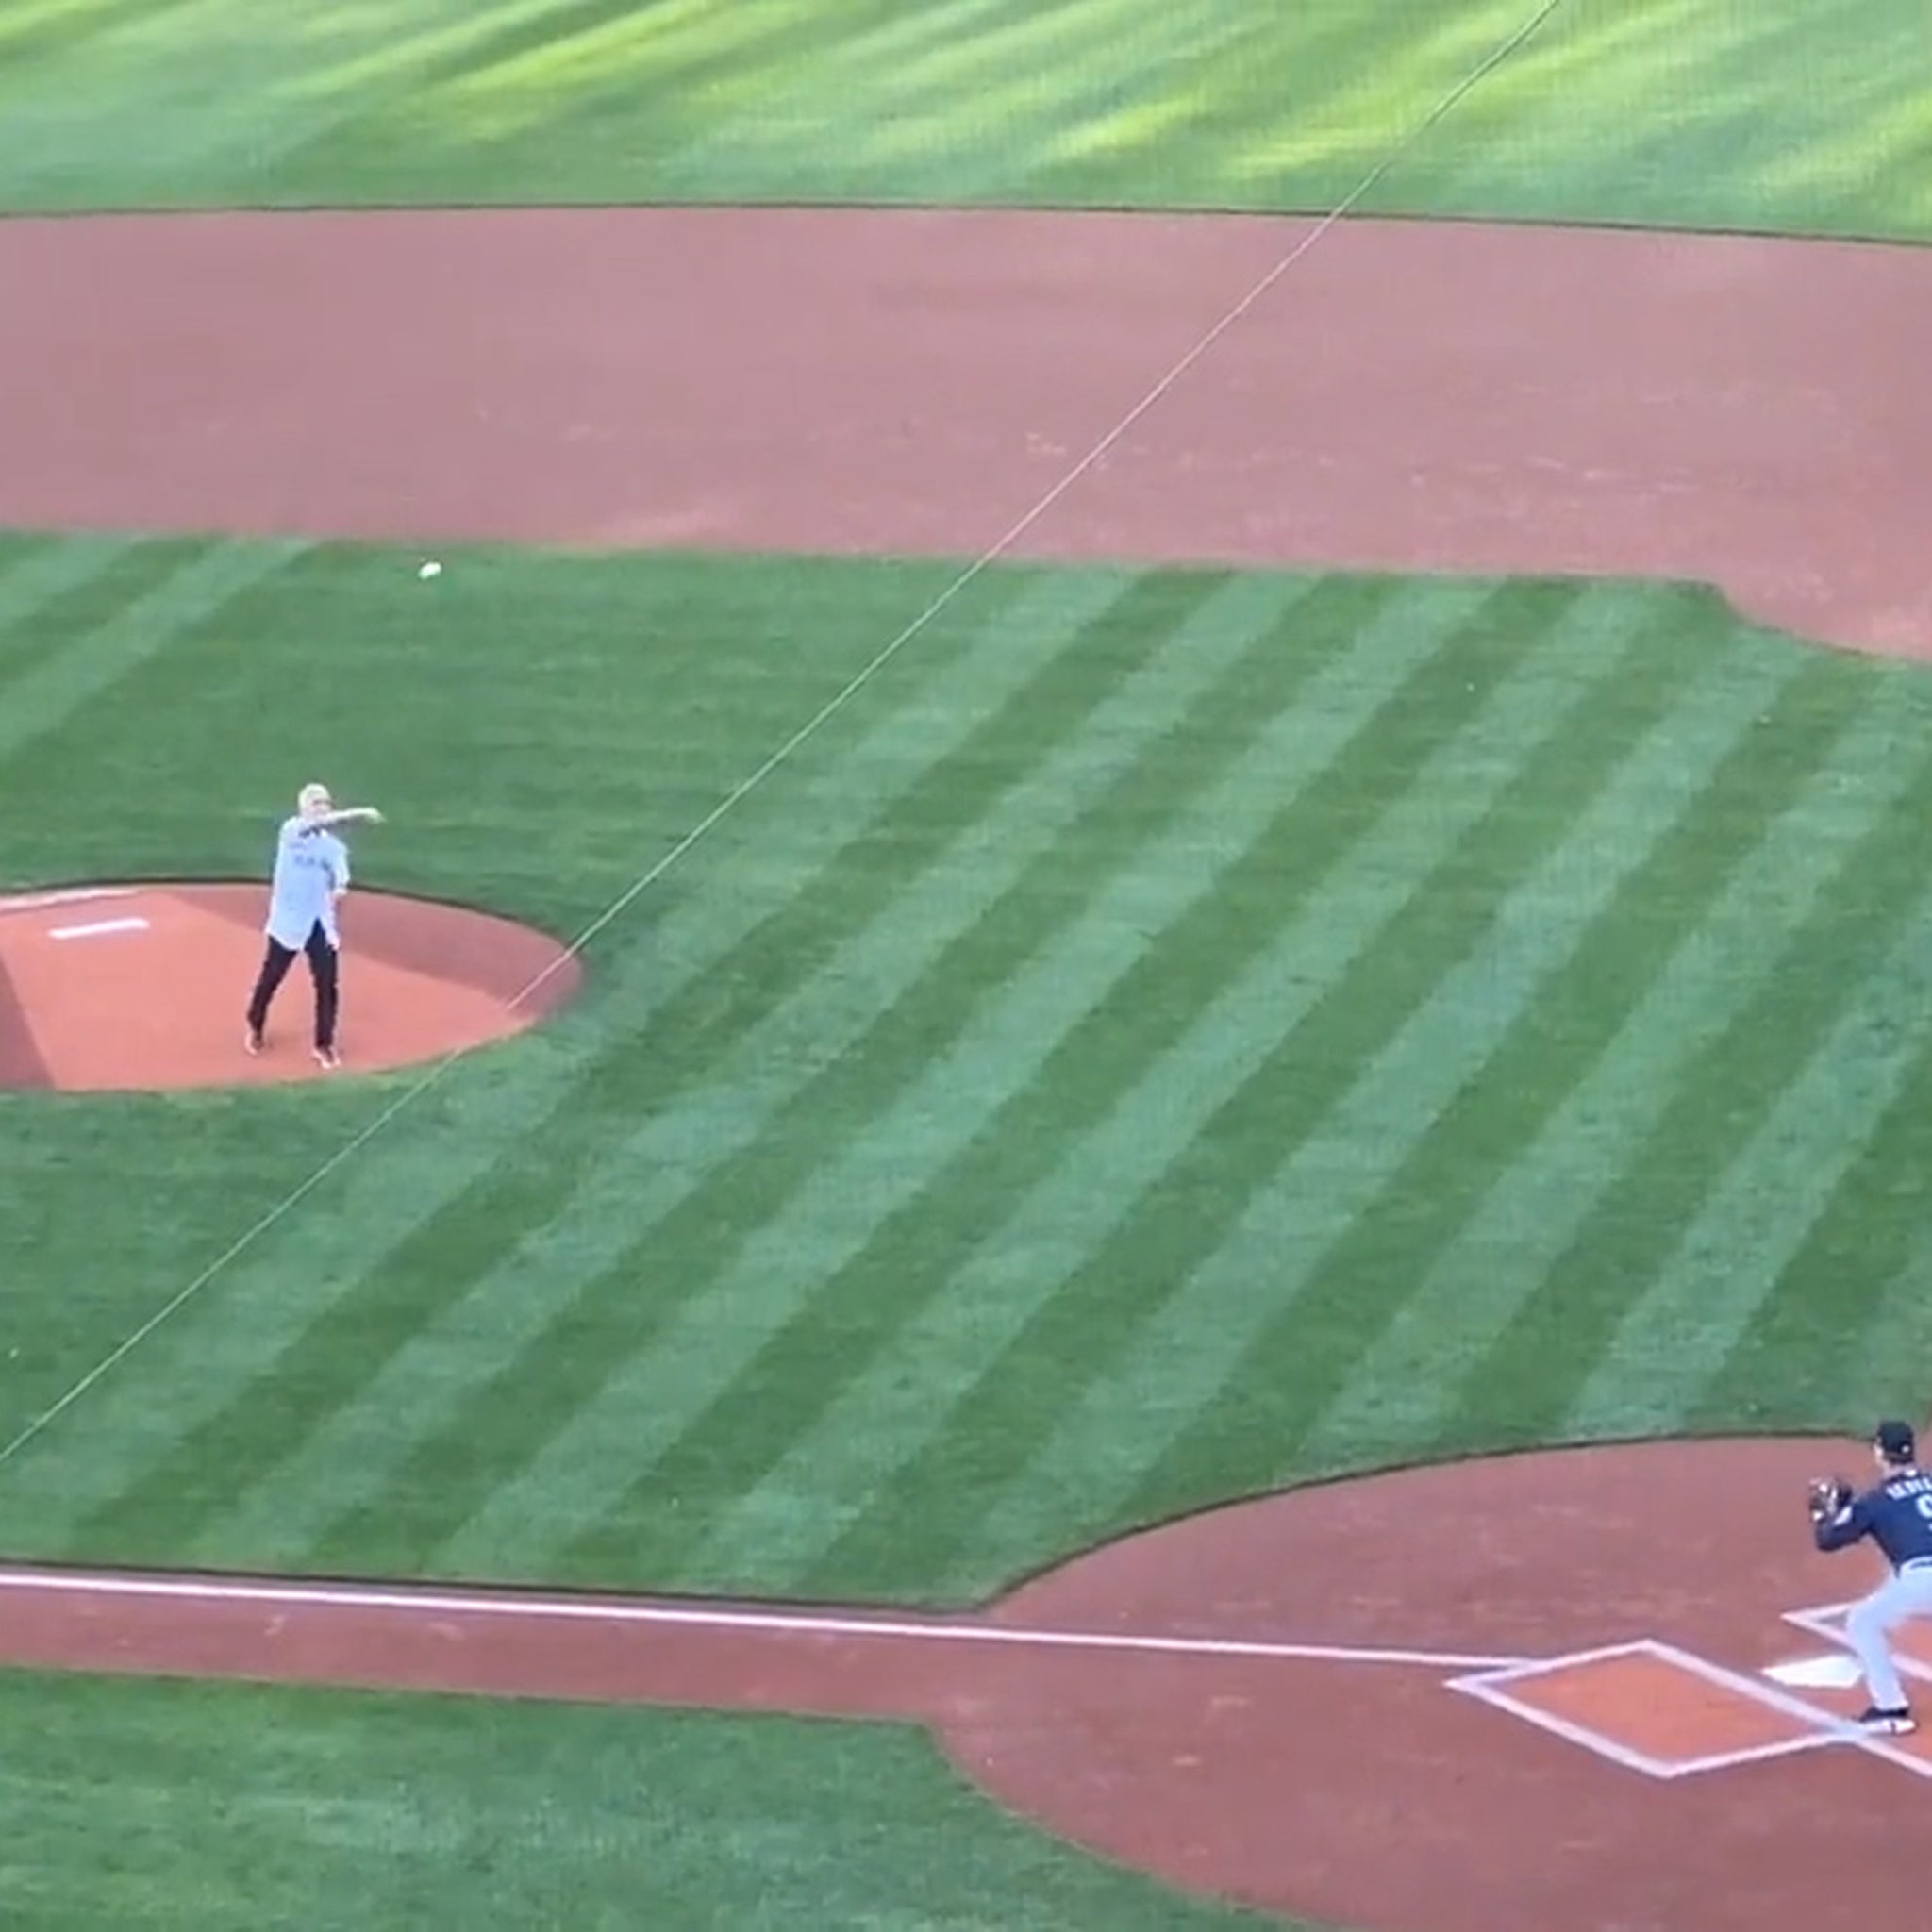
x,y
1175,1033
1694,113
203,1807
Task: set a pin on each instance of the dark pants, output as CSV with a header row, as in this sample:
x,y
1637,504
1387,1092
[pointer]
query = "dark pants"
x,y
322,970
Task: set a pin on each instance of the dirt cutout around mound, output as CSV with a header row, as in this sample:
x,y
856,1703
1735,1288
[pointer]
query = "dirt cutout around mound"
x,y
1523,1691
1408,396
142,989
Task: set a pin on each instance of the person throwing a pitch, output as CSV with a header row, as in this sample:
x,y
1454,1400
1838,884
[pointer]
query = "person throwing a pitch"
x,y
1896,1513
311,873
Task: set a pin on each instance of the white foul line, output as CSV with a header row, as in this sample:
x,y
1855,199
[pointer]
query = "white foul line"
x,y
98,928
1483,1678
861,679
695,1616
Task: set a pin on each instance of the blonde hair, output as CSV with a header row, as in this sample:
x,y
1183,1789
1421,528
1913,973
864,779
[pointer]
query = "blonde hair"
x,y
313,800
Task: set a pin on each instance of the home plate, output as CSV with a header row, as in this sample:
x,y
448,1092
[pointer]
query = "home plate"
x,y
1837,1672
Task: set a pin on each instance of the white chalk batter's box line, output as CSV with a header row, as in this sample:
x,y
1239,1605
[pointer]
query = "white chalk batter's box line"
x,y
98,928
1829,1622
1491,1688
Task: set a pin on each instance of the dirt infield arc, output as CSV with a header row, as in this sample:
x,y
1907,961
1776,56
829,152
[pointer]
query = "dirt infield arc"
x,y
1411,395
1523,1691
140,987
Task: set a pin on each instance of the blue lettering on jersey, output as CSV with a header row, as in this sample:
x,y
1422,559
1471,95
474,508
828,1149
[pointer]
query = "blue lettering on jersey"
x,y
1896,1515
311,866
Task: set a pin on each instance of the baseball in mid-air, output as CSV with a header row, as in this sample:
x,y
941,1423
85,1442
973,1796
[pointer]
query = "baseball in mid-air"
x,y
430,570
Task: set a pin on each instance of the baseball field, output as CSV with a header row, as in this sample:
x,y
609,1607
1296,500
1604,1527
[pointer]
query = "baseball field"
x,y
1142,1044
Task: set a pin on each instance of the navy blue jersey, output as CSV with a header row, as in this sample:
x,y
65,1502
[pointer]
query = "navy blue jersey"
x,y
1896,1515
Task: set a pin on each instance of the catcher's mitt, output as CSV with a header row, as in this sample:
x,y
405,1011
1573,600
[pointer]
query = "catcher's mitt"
x,y
1828,1495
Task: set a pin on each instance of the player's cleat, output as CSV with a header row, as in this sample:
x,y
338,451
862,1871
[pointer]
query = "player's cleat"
x,y
252,1040
1898,1723
328,1059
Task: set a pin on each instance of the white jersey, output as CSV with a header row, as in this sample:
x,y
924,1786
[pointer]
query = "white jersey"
x,y
311,866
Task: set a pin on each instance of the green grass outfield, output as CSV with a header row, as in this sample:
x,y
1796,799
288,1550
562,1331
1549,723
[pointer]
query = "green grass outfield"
x,y
225,1809
1179,1032
1173,1034
1809,114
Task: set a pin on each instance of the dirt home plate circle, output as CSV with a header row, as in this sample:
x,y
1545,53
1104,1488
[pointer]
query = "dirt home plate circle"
x,y
1528,1691
140,987
1546,1690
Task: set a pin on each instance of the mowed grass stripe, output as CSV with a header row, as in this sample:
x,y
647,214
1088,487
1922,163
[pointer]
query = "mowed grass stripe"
x,y
1183,1026
1385,646
1351,1221
484,76
1287,1088
734,1178
1081,1338
1034,72
354,1334
1722,1091
1799,114
1246,1347
989,1279
489,1154
591,1256
1395,1401
1674,1338
203,579
880,1232
1845,1330
37,575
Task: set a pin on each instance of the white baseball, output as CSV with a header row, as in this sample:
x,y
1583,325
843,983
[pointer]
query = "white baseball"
x,y
430,570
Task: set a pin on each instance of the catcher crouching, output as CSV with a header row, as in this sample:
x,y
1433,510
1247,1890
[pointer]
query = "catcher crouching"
x,y
1896,1513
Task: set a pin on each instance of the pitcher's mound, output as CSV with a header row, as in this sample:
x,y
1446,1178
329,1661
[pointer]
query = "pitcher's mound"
x,y
123,989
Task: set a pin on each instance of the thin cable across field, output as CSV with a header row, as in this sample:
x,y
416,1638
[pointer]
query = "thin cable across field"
x,y
807,731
